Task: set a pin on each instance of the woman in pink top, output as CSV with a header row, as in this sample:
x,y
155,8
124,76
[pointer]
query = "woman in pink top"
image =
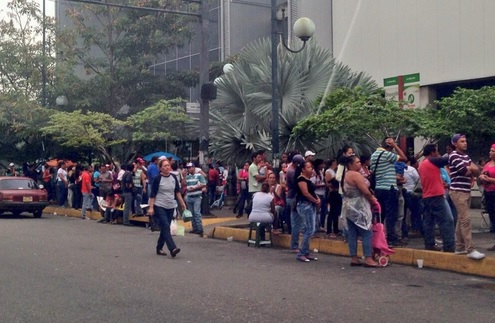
x,y
487,178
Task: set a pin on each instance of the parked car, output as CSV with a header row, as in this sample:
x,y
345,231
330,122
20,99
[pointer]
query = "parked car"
x,y
22,194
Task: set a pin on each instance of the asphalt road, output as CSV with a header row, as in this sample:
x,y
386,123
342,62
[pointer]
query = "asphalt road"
x,y
58,269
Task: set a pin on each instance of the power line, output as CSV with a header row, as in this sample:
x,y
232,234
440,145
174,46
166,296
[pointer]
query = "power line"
x,y
177,12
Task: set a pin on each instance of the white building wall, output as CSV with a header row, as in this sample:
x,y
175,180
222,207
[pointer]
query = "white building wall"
x,y
443,40
320,11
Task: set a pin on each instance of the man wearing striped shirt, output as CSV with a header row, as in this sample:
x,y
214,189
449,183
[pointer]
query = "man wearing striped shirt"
x,y
383,166
461,171
195,183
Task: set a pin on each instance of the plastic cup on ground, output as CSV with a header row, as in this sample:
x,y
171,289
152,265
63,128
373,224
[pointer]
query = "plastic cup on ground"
x,y
420,263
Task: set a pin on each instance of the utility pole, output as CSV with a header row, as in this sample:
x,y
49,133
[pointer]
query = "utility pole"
x,y
275,94
204,104
204,76
43,66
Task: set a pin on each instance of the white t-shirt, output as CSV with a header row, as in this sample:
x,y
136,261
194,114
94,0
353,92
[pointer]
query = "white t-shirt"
x,y
261,211
64,174
412,177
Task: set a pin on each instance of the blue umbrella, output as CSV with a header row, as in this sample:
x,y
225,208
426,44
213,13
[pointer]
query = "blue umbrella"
x,y
159,154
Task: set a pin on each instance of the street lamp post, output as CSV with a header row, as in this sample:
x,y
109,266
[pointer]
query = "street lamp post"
x,y
43,66
304,29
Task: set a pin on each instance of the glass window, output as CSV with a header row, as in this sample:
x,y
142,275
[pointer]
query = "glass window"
x,y
184,64
18,184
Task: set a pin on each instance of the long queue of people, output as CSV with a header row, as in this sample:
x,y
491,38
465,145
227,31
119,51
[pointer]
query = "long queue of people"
x,y
414,198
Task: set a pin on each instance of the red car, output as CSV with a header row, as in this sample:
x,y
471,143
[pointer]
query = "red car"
x,y
22,194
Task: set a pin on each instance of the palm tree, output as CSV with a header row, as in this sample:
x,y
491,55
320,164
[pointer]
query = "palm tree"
x,y
241,114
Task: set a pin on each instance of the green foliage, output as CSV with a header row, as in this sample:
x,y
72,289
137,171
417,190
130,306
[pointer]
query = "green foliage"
x,y
116,48
466,111
20,120
90,130
241,114
358,115
165,120
21,50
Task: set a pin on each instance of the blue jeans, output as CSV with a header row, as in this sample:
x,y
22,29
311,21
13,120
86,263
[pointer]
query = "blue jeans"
x,y
165,217
452,208
243,197
307,212
296,223
87,203
138,199
194,206
389,202
414,205
352,236
212,189
61,193
437,210
127,196
323,210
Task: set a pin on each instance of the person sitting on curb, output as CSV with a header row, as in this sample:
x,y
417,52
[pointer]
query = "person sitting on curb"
x,y
263,208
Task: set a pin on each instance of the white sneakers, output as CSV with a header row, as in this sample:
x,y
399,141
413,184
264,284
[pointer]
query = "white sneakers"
x,y
461,252
476,255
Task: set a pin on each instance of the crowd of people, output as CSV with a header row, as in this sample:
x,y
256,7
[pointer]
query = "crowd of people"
x,y
337,196
302,196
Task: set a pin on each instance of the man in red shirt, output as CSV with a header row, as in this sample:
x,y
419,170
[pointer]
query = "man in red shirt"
x,y
86,191
213,177
436,207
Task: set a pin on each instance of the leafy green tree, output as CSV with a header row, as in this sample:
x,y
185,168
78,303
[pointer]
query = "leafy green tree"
x,y
20,120
21,50
115,48
90,130
360,116
241,114
469,111
163,121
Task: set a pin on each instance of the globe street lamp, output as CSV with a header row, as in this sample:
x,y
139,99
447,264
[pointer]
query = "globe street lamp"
x,y
304,29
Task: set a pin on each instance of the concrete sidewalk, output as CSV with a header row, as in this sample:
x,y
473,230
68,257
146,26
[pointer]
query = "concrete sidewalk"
x,y
225,225
483,239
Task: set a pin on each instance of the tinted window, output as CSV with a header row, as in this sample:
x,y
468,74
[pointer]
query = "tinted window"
x,y
18,184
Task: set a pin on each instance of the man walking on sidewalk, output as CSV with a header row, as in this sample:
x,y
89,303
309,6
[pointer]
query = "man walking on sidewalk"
x,y
195,183
462,169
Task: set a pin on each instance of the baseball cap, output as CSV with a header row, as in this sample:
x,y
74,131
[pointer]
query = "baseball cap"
x,y
298,159
309,153
456,137
11,165
190,165
140,160
162,157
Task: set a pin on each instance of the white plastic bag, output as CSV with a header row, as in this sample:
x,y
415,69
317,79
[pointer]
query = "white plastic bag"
x,y
173,227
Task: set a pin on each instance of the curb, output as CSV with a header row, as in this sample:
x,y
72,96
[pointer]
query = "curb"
x,y
95,215
73,213
404,256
